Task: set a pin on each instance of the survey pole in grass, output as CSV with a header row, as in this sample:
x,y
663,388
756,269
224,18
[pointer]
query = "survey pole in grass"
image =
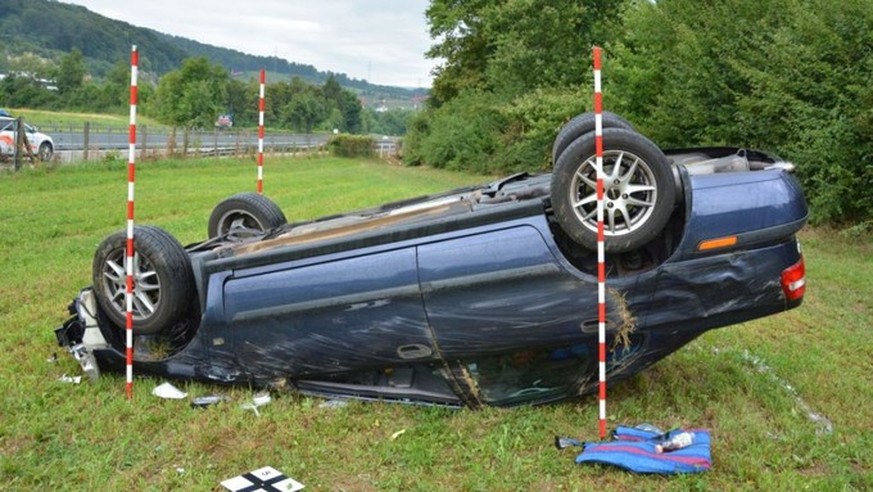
x,y
261,106
131,176
601,253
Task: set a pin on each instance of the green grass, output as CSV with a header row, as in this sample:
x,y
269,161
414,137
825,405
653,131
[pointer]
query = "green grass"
x,y
49,120
88,437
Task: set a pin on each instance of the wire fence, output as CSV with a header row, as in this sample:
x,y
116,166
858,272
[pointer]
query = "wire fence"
x,y
94,141
90,142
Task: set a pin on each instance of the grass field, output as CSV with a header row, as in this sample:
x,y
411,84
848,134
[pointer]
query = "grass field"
x,y
49,120
734,381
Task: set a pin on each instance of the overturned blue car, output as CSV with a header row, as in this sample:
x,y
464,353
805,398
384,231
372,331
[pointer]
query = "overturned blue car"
x,y
485,295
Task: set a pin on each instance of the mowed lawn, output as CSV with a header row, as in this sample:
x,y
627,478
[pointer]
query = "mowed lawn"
x,y
756,386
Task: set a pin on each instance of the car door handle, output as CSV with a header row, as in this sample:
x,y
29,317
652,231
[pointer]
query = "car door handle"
x,y
414,351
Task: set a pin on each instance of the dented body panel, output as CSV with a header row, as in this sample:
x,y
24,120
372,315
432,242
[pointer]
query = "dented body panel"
x,y
467,298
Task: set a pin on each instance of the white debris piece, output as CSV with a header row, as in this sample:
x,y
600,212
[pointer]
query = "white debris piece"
x,y
258,400
169,392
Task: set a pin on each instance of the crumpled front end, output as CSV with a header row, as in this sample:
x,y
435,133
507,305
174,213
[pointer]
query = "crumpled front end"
x,y
81,334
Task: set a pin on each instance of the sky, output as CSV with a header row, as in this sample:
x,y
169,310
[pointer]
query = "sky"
x,y
383,41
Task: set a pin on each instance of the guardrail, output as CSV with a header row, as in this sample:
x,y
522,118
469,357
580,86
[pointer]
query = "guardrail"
x,y
95,141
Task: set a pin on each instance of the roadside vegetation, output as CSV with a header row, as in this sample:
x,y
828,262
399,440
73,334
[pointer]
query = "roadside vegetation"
x,y
789,76
193,96
55,435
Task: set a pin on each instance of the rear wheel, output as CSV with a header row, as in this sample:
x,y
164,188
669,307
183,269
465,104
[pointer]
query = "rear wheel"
x,y
163,289
46,152
582,124
639,191
245,214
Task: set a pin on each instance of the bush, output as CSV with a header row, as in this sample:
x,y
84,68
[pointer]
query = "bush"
x,y
481,132
351,145
462,134
533,120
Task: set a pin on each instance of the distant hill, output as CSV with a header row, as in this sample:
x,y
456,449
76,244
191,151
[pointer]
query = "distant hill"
x,y
50,29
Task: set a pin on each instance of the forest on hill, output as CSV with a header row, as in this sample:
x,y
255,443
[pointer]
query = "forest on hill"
x,y
59,56
50,29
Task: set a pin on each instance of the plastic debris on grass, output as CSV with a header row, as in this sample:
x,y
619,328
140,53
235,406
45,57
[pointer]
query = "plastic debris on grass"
x,y
169,392
208,400
70,379
398,434
258,400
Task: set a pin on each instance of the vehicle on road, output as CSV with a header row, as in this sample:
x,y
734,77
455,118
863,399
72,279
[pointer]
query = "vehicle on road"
x,y
41,144
485,295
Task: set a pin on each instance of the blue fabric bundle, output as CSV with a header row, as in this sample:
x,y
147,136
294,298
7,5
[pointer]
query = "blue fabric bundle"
x,y
634,450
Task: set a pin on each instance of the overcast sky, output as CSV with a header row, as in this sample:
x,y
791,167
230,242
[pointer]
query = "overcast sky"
x,y
382,41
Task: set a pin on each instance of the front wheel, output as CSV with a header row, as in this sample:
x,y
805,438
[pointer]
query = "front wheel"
x,y
163,288
243,215
639,191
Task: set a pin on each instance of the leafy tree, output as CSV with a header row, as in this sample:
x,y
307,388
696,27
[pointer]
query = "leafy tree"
x,y
516,45
242,101
194,95
392,122
304,111
116,87
71,72
350,108
25,92
515,54
331,89
791,76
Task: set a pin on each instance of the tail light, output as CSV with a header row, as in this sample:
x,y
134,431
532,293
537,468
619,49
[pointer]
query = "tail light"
x,y
794,281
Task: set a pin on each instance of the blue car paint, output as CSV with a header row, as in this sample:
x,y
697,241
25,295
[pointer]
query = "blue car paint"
x,y
444,299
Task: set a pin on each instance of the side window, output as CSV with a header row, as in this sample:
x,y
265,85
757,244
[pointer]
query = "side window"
x,y
533,375
540,375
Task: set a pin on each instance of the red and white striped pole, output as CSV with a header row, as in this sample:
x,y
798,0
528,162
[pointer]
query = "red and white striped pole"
x,y
131,175
261,106
601,254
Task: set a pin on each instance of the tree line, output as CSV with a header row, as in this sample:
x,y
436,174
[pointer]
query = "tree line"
x,y
193,96
789,76
49,29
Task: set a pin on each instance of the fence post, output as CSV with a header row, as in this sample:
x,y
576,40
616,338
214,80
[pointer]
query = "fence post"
x,y
22,144
215,141
185,143
144,133
16,152
171,144
86,139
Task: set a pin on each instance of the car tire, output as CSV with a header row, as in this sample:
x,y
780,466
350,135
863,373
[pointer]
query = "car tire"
x,y
582,124
163,280
46,152
639,191
244,214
